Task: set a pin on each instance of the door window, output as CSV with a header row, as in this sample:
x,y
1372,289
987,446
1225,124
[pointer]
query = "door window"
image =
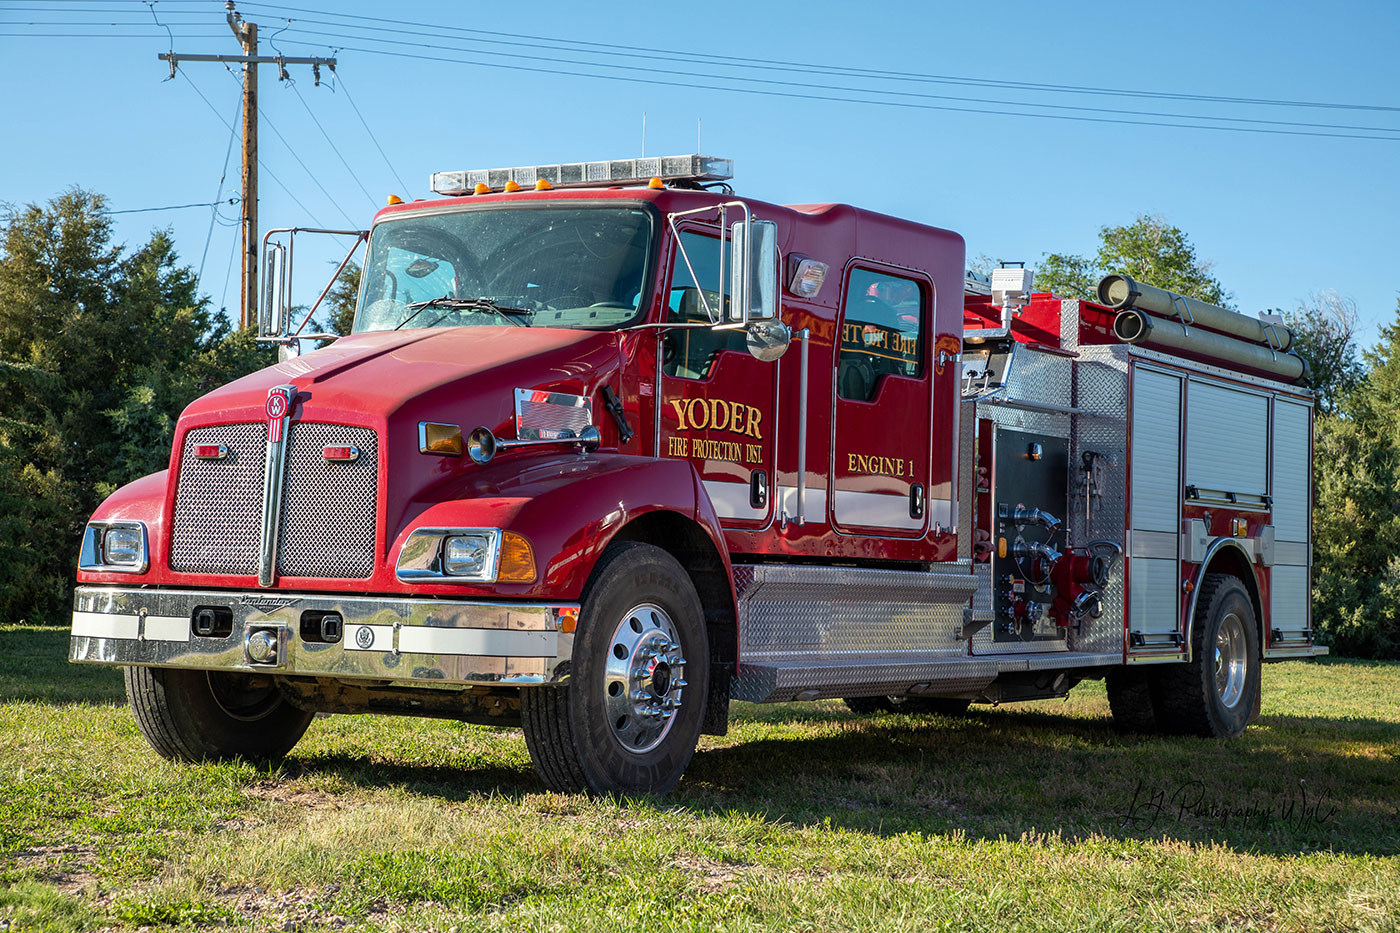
x,y
882,333
691,352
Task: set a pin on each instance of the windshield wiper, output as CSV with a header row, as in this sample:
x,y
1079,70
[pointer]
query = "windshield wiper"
x,y
450,304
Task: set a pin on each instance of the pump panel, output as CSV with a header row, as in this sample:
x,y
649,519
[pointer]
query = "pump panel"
x,y
1030,501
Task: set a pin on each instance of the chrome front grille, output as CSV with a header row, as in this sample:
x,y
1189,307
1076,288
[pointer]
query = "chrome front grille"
x,y
328,509
218,505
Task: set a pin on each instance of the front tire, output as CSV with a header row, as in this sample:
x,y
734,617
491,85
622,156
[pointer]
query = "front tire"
x,y
629,717
212,715
1215,694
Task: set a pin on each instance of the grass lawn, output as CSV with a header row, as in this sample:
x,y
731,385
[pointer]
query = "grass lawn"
x,y
805,817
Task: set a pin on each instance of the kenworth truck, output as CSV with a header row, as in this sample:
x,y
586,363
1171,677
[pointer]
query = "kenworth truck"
x,y
611,446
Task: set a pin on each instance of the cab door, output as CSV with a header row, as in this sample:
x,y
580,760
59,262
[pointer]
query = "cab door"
x,y
717,401
882,404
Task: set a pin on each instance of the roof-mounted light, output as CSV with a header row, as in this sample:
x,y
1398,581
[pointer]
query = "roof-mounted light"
x,y
616,172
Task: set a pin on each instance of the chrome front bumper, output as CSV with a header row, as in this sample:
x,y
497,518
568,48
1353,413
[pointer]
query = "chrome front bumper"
x,y
435,641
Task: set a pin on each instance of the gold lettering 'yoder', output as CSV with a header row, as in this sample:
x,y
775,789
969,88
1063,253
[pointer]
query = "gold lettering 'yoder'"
x,y
717,414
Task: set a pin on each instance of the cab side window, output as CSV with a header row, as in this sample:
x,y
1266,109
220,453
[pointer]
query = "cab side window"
x,y
881,333
691,353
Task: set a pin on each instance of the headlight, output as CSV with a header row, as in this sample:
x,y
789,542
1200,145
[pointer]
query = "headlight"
x,y
114,547
468,555
459,555
122,545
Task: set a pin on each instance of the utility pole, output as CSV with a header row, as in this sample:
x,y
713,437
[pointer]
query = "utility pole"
x,y
247,35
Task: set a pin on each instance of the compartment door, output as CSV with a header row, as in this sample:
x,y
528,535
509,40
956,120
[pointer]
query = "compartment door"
x,y
1155,503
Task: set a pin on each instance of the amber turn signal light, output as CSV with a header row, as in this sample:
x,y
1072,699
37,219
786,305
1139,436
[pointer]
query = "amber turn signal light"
x,y
517,564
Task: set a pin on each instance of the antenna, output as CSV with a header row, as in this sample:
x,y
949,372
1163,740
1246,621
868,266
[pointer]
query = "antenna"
x,y
698,147
644,133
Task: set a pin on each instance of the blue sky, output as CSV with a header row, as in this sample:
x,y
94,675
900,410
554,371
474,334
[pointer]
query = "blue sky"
x,y
1280,216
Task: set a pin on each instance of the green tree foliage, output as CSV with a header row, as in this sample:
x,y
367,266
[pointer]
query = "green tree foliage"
x,y
1149,249
1356,513
1324,331
341,299
100,349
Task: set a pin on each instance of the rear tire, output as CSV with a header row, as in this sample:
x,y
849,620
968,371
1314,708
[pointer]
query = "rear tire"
x,y
640,652
1214,695
212,715
1130,700
943,706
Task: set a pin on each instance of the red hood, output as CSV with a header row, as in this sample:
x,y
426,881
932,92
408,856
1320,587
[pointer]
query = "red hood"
x,y
378,374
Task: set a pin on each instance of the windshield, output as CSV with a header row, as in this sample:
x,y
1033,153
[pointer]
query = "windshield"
x,y
523,266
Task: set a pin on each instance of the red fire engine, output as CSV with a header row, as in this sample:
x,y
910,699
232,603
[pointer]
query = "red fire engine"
x,y
563,475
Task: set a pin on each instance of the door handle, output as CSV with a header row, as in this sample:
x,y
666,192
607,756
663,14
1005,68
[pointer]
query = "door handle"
x,y
916,501
758,489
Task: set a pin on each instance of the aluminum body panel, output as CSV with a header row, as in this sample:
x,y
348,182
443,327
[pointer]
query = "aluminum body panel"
x,y
1292,444
1227,439
411,640
1289,599
1156,445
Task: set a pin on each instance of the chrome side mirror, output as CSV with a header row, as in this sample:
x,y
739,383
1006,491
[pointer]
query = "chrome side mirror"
x,y
274,319
768,340
753,262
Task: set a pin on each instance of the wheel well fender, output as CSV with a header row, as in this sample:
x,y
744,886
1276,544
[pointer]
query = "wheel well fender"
x,y
693,545
1226,556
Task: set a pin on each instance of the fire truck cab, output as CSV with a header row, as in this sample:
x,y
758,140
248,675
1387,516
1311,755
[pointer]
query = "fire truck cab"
x,y
611,446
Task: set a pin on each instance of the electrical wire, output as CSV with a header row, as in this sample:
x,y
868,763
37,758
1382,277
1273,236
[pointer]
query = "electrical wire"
x,y
214,212
340,83
319,34
172,207
909,105
261,165
262,115
334,148
436,30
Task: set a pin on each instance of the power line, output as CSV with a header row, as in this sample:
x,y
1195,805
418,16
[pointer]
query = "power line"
x,y
214,212
262,165
330,142
436,29
340,83
173,207
1229,121
909,105
310,174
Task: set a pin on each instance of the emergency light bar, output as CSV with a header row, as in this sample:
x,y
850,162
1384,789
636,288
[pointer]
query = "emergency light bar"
x,y
622,172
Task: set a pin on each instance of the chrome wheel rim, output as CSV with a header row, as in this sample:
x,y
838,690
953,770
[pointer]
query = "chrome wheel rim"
x,y
1230,660
644,678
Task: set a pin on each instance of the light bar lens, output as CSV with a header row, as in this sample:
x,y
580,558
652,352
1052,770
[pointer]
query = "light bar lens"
x,y
697,168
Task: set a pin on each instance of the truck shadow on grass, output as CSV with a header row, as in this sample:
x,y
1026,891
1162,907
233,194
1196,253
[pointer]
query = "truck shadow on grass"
x,y
1290,784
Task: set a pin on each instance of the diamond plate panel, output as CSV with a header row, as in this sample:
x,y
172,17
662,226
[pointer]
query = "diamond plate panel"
x,y
967,481
1101,386
811,679
218,503
834,610
328,510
